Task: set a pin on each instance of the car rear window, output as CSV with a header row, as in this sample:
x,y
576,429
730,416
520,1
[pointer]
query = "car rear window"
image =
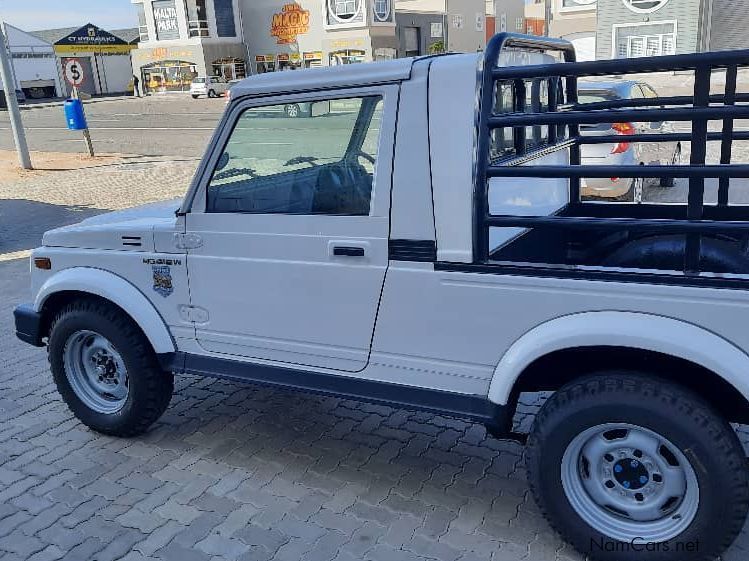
x,y
595,96
199,81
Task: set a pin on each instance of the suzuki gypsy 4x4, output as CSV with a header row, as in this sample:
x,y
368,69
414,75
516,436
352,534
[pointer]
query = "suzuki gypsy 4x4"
x,y
422,242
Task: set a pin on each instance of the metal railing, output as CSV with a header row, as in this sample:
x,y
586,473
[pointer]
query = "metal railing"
x,y
567,115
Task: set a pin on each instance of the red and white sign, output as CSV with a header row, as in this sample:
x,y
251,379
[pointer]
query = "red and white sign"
x,y
74,72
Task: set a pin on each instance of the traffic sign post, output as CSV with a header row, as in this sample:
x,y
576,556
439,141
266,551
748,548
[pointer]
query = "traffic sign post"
x,y
9,86
74,75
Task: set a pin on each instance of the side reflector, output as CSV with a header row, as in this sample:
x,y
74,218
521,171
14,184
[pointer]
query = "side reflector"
x,y
44,263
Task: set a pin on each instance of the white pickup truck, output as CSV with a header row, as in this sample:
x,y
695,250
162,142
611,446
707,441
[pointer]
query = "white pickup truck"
x,y
423,243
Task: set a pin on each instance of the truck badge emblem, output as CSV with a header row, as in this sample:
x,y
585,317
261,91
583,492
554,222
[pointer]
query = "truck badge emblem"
x,y
162,280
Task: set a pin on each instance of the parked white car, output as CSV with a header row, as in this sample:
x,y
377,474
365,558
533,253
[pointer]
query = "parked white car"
x,y
211,86
402,253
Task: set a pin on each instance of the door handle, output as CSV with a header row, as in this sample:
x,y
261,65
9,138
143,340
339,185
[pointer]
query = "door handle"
x,y
343,251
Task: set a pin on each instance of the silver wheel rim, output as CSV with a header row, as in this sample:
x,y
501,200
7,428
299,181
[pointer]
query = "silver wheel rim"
x,y
628,482
292,110
96,372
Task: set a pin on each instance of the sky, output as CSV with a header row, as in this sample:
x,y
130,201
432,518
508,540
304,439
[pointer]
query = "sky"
x,y
31,15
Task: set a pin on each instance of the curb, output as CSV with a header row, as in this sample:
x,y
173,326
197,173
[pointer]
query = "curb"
x,y
59,103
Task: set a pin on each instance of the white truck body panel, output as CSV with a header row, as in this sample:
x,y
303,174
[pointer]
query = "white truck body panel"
x,y
270,291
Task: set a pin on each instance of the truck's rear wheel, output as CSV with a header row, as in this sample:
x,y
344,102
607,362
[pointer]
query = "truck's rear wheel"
x,y
628,467
106,370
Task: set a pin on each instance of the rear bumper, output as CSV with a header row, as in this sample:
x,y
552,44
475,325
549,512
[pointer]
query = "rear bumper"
x,y
28,325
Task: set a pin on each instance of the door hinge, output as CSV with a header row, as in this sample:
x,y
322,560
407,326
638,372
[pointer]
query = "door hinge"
x,y
193,314
187,241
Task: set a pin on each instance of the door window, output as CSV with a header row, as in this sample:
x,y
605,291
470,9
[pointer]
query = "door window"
x,y
300,158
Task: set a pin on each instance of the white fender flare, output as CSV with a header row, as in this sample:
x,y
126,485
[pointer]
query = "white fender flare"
x,y
117,290
621,329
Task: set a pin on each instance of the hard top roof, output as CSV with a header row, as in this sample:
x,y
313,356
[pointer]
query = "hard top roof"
x,y
325,77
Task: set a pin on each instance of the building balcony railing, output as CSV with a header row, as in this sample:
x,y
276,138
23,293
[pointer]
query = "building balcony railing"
x,y
198,28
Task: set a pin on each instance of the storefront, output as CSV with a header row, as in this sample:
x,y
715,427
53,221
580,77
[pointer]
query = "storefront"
x,y
172,69
104,57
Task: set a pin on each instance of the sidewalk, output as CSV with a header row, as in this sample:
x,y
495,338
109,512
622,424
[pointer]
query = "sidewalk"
x,y
234,471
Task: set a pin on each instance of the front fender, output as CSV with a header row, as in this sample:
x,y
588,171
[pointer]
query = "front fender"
x,y
621,329
117,290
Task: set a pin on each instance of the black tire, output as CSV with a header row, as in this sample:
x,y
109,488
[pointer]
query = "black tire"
x,y
150,388
669,181
195,96
695,429
211,93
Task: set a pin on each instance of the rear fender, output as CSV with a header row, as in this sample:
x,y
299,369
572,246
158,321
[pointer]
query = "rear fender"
x,y
623,329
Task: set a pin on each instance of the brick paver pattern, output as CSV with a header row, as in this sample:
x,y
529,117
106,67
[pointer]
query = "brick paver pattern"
x,y
234,471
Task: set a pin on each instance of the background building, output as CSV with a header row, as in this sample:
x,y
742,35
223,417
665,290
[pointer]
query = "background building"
x,y
633,28
181,39
34,64
104,56
576,21
464,22
535,17
504,15
288,35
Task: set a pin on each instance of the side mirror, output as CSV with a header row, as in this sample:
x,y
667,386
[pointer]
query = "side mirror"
x,y
222,161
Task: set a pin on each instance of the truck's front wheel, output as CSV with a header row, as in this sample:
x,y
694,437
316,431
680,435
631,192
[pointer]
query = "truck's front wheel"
x,y
628,467
106,370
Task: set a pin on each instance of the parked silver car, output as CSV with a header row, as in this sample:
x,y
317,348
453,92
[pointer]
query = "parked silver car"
x,y
623,153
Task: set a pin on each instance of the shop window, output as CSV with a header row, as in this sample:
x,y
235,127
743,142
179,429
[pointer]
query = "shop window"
x,y
265,63
312,59
225,25
230,68
347,56
168,76
197,18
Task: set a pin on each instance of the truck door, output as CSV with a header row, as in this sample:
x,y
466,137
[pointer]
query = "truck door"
x,y
291,229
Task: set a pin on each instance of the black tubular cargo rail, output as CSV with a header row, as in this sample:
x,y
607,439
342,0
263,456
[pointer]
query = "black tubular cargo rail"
x,y
563,117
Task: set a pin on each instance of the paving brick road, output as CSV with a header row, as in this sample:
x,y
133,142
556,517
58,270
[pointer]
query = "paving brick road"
x,y
234,471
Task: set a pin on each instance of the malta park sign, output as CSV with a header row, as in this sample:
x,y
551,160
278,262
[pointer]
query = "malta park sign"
x,y
92,39
290,22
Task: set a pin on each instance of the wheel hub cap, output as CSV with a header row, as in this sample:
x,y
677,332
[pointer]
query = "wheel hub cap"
x,y
96,371
631,474
629,482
